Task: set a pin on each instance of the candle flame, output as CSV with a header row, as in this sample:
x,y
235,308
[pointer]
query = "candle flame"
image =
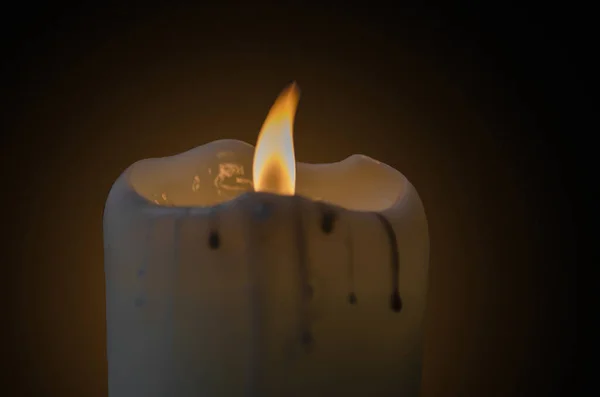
x,y
274,166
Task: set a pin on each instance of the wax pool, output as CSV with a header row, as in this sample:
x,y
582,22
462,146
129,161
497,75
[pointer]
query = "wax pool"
x,y
215,290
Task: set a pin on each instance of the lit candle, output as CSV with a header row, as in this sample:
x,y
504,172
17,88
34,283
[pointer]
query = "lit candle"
x,y
309,281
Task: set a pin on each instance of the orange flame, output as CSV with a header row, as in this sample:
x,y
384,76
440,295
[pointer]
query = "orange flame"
x,y
274,166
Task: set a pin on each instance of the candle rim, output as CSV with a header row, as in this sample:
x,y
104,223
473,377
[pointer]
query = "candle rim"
x,y
357,156
128,177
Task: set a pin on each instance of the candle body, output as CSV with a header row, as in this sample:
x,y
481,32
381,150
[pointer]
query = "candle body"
x,y
255,296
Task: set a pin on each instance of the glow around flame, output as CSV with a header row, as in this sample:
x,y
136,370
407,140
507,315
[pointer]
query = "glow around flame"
x,y
274,167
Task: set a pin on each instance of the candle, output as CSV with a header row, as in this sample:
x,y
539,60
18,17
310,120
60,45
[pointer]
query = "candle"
x,y
303,280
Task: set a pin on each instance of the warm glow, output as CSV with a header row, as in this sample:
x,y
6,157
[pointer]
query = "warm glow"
x,y
274,167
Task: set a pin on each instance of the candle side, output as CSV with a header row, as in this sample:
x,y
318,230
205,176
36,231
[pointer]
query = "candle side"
x,y
253,294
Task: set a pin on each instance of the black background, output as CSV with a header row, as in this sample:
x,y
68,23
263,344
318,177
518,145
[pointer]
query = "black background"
x,y
470,103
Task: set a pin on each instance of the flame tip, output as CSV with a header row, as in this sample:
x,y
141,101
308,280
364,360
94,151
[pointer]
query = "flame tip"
x,y
294,86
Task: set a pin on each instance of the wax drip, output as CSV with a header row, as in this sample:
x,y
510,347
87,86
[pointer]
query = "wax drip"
x,y
144,265
141,271
327,221
256,302
263,211
350,250
173,274
214,239
395,301
305,333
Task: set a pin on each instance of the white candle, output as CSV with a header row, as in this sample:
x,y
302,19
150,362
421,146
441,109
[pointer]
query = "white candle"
x,y
313,286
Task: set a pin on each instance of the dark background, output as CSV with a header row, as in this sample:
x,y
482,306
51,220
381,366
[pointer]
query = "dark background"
x,y
469,103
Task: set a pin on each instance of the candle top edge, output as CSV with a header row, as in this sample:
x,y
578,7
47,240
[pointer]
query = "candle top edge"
x,y
308,172
227,145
